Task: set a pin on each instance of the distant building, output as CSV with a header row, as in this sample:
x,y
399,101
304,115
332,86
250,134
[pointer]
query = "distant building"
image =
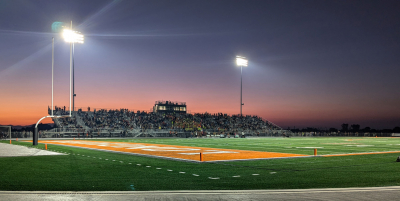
x,y
169,107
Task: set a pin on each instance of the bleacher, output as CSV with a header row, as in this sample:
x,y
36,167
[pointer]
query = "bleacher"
x,y
123,122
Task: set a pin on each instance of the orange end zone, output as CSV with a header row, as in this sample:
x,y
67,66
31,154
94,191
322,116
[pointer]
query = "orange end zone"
x,y
173,151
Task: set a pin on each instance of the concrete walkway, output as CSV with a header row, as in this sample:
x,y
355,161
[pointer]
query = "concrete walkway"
x,y
342,194
10,150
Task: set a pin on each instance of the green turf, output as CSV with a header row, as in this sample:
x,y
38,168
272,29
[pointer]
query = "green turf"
x,y
306,145
75,172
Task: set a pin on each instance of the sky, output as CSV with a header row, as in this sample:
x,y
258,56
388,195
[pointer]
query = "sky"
x,y
311,63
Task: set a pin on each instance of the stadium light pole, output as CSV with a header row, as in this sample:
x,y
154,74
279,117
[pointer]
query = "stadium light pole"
x,y
242,62
72,37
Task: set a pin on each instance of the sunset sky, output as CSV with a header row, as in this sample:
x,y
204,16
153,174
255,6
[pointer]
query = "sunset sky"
x,y
311,63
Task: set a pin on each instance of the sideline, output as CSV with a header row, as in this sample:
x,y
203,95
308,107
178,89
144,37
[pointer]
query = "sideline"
x,y
362,153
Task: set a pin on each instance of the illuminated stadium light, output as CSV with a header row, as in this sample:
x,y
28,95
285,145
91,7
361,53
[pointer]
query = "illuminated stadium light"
x,y
241,61
72,36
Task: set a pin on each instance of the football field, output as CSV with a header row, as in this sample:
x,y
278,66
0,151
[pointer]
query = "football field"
x,y
185,153
296,145
228,163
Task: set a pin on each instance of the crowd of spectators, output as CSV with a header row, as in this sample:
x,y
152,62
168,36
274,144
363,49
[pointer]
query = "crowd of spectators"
x,y
107,119
58,110
69,122
66,122
124,119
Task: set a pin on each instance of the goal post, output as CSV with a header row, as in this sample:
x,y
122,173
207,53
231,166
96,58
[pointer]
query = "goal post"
x,y
5,131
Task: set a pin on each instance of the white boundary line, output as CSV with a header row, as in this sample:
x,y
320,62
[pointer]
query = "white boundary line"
x,y
216,192
362,153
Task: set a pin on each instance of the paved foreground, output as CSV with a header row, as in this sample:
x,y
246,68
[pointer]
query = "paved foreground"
x,y
10,150
374,193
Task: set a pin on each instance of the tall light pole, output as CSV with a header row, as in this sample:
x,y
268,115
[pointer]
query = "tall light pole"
x,y
72,37
242,62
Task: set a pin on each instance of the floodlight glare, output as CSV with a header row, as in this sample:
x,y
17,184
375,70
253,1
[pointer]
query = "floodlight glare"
x,y
72,36
241,61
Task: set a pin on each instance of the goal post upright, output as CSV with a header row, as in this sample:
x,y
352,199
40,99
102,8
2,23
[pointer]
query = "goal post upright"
x,y
35,130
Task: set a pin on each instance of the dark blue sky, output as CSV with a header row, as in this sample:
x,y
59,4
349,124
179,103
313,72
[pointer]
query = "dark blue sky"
x,y
311,63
